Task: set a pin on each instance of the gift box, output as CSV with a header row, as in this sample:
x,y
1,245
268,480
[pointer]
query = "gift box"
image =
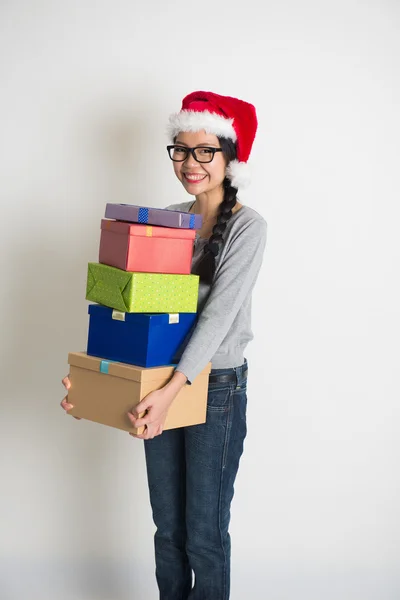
x,y
147,340
104,391
153,216
144,248
141,292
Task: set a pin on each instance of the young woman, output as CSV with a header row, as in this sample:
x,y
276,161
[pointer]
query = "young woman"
x,y
191,470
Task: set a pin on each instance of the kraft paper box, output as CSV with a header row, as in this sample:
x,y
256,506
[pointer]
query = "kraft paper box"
x,y
146,248
141,292
153,216
104,392
147,340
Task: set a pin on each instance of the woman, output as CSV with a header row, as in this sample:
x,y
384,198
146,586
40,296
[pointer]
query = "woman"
x,y
191,470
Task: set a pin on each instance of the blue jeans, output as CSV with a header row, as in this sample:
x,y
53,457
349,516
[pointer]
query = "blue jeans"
x,y
191,473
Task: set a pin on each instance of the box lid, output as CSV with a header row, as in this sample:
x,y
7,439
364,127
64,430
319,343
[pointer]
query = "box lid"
x,y
156,216
135,229
117,369
138,319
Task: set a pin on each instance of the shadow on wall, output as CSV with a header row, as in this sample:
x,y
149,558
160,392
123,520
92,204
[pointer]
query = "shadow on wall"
x,y
128,154
108,160
47,317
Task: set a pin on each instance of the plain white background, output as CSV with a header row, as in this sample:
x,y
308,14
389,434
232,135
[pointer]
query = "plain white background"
x,y
86,90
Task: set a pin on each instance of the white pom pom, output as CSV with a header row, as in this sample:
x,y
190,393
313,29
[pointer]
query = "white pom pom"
x,y
238,173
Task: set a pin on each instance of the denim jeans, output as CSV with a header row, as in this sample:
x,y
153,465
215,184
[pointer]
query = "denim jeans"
x,y
191,473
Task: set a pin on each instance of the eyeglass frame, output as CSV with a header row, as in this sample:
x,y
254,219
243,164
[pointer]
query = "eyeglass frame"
x,y
192,152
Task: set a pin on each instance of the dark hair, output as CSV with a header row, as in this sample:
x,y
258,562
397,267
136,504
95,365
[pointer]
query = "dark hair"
x,y
206,266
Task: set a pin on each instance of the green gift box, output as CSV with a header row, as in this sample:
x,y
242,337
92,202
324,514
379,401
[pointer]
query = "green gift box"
x,y
141,292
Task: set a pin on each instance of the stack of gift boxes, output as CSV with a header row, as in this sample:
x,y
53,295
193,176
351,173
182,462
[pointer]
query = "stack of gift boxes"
x,y
144,309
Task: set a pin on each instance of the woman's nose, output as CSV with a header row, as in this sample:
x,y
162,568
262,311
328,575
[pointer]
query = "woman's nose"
x,y
190,161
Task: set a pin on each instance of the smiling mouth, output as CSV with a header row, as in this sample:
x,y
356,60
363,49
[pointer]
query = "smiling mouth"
x,y
193,178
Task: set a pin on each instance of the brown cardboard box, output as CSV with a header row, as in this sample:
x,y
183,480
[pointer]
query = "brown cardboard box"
x,y
104,391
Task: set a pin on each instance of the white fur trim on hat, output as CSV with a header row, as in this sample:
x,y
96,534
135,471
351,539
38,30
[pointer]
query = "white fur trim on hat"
x,y
191,120
238,173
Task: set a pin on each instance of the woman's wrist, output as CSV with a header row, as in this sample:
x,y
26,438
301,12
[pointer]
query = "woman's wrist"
x,y
177,381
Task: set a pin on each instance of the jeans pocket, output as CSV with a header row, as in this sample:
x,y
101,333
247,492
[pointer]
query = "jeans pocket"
x,y
219,399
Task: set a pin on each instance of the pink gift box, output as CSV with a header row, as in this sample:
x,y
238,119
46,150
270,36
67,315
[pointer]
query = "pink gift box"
x,y
146,248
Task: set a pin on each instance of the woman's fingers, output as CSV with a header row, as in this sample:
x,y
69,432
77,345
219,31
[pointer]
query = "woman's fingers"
x,y
66,382
143,436
149,433
132,418
64,403
139,421
67,406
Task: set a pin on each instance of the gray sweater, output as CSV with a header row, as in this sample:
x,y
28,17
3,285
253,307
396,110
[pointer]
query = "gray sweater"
x,y
223,328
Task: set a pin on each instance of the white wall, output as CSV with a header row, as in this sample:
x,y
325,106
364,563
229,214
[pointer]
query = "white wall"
x,y
86,90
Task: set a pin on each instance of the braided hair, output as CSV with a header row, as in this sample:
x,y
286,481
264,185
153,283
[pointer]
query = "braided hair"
x,y
206,266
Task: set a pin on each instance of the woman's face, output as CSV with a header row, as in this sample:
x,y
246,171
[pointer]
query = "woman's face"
x,y
198,178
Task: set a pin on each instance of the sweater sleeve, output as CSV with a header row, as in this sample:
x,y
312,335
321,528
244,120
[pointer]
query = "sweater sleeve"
x,y
234,280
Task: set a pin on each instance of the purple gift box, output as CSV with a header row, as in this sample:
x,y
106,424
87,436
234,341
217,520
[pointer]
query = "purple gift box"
x,y
153,216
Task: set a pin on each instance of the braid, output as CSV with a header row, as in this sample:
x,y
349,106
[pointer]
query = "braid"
x,y
206,266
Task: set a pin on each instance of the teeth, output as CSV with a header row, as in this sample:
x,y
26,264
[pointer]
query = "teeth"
x,y
195,177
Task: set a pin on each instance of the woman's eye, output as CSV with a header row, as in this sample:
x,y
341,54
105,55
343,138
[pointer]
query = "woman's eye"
x,y
205,150
179,150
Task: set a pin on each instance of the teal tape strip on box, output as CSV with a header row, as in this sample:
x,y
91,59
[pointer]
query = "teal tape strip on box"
x,y
104,364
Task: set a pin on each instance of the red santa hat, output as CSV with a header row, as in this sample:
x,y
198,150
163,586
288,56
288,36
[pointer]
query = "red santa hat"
x,y
222,116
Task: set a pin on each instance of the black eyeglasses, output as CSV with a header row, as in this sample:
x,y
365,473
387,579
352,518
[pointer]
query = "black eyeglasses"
x,y
203,154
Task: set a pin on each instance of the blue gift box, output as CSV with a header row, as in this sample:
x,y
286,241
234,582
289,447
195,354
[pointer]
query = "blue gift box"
x,y
146,340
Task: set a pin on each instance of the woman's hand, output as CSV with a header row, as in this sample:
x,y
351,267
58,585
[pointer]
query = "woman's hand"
x,y
156,405
64,403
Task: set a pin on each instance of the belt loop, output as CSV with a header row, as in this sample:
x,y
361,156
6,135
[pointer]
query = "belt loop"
x,y
237,382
